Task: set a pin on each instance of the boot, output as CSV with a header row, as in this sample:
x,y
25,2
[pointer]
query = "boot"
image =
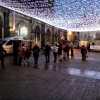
x,y
60,59
3,65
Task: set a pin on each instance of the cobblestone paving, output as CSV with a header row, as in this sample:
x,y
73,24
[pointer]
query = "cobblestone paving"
x,y
72,79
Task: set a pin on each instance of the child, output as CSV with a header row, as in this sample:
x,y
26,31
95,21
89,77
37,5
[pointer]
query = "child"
x,y
60,52
27,54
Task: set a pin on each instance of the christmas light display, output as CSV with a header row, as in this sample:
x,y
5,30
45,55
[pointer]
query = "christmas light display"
x,y
75,15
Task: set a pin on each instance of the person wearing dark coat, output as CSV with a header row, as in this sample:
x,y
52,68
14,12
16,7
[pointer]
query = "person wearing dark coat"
x,y
2,54
47,53
83,52
60,52
20,53
15,51
66,51
72,50
36,51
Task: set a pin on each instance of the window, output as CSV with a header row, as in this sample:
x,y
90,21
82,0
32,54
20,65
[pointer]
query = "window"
x,y
23,31
9,43
3,42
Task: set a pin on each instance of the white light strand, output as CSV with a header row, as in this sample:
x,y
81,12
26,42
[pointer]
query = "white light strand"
x,y
75,15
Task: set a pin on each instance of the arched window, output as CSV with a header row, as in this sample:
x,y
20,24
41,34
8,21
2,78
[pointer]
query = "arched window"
x,y
37,32
23,31
48,34
22,28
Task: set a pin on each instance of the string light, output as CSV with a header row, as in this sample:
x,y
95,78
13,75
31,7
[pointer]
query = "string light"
x,y
75,15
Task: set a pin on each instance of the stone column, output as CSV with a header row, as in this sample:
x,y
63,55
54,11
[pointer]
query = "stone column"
x,y
59,36
6,24
42,33
52,34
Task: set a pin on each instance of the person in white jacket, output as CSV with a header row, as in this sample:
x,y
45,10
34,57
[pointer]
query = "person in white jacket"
x,y
55,52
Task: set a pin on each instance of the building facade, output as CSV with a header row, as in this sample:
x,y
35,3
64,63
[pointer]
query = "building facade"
x,y
15,24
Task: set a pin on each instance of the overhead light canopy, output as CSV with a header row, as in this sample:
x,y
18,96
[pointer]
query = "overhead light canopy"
x,y
75,15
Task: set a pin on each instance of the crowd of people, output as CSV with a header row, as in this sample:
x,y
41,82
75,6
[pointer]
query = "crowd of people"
x,y
59,50
22,52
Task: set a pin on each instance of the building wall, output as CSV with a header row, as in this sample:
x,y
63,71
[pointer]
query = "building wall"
x,y
20,20
48,27
89,37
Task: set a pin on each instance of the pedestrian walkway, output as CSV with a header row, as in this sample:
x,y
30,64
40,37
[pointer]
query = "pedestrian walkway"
x,y
71,79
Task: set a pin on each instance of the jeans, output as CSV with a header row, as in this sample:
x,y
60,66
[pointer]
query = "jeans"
x,y
55,56
36,60
47,58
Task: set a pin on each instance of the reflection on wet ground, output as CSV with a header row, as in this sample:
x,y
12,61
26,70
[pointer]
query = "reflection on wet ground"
x,y
73,71
85,73
46,66
88,58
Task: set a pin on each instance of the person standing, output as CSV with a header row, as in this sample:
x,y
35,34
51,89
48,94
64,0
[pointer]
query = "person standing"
x,y
15,51
36,51
83,52
55,51
47,53
2,54
60,52
63,50
66,51
72,50
27,54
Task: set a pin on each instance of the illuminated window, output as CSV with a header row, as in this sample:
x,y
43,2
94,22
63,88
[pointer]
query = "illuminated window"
x,y
23,31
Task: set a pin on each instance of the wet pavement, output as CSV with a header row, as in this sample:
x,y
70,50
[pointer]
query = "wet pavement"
x,y
71,79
